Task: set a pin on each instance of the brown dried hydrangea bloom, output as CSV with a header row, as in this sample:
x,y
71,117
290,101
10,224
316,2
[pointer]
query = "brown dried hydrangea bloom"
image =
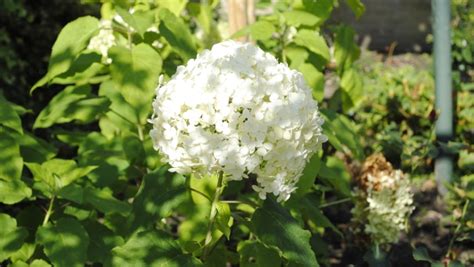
x,y
374,167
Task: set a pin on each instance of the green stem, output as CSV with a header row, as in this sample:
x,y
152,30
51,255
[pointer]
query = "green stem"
x,y
140,132
335,202
49,212
201,193
212,216
122,117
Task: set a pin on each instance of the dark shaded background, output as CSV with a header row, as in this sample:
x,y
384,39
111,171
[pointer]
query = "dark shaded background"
x,y
28,29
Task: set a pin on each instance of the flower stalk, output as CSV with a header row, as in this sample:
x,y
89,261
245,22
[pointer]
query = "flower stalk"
x,y
212,216
49,211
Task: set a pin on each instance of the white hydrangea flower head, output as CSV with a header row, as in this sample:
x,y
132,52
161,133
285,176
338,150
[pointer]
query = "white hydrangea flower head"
x,y
235,109
104,40
385,201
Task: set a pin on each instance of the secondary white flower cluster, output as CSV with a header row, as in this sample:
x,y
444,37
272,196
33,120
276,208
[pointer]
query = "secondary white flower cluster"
x,y
385,203
235,109
104,40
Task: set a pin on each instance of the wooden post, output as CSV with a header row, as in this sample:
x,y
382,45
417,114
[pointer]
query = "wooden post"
x,y
241,13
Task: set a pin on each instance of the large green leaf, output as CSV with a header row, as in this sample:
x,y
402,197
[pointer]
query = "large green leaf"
x,y
106,153
175,6
13,191
11,162
310,209
334,172
57,173
83,69
73,103
341,133
8,116
152,248
177,34
262,30
159,195
314,42
34,149
309,175
314,78
104,201
65,243
274,226
346,50
352,89
140,20
121,116
102,243
255,254
72,39
321,8
135,73
298,17
11,236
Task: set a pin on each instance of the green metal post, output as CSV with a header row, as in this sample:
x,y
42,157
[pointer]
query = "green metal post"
x,y
444,96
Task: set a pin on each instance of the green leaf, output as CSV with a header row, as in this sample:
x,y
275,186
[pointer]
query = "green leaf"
x,y
160,193
314,42
74,103
72,39
151,248
321,8
121,116
177,34
297,55
135,73
85,69
139,20
357,7
334,173
274,226
315,80
9,117
352,87
39,263
175,6
34,149
255,254
309,175
310,209
13,191
262,30
346,50
106,153
72,192
58,173
11,236
102,243
10,158
65,243
104,201
24,253
222,218
341,133
298,17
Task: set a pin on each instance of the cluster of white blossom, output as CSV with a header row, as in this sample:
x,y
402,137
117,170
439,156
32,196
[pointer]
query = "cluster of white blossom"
x,y
384,205
104,40
235,109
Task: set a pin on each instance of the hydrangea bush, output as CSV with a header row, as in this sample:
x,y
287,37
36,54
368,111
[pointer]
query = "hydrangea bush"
x,y
236,110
